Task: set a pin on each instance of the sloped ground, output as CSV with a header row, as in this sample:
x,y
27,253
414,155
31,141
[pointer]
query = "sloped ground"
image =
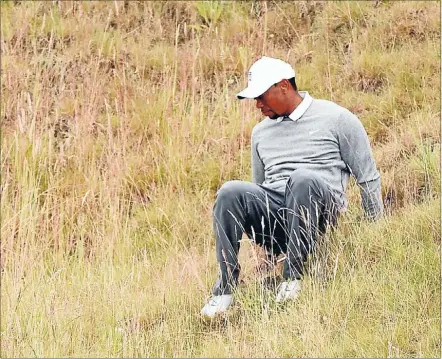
x,y
119,123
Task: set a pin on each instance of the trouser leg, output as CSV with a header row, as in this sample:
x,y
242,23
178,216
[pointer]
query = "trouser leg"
x,y
310,206
243,207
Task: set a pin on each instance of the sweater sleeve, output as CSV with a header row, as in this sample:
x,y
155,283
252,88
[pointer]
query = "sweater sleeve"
x,y
358,157
257,165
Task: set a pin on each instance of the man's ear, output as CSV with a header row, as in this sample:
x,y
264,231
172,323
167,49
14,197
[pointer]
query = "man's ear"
x,y
284,85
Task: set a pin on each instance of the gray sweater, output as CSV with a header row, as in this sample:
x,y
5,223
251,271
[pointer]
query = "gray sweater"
x,y
321,136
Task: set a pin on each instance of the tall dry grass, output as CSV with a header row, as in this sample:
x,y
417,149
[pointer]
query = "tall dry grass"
x,y
119,123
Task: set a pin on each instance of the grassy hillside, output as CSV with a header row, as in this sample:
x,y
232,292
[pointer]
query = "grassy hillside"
x,y
119,123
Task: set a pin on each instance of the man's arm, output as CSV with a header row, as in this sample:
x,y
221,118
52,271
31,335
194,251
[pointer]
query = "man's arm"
x,y
257,165
358,156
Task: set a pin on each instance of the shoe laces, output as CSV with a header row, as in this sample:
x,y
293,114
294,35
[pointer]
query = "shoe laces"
x,y
213,301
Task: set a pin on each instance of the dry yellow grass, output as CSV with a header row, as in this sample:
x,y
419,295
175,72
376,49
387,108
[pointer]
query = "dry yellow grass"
x,y
119,122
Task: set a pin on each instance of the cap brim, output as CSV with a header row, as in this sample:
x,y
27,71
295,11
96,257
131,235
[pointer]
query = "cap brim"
x,y
251,93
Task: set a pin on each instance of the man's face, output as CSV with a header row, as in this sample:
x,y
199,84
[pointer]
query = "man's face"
x,y
271,103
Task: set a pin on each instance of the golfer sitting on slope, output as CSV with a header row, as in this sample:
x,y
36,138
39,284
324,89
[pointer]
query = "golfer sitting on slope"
x,y
303,153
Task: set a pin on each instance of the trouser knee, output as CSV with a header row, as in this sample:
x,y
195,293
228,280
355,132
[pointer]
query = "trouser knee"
x,y
230,191
301,184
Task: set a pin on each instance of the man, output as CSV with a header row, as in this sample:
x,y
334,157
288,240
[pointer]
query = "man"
x,y
303,153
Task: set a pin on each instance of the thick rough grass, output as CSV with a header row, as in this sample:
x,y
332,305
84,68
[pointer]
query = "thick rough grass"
x,y
119,123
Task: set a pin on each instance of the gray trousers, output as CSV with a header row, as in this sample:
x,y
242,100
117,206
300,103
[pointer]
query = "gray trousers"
x,y
282,222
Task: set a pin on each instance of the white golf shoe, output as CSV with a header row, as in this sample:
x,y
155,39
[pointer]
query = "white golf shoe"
x,y
217,304
288,291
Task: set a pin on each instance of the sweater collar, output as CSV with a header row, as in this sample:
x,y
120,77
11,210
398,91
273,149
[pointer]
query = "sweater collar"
x,y
301,108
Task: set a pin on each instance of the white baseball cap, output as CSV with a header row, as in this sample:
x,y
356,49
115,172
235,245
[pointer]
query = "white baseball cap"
x,y
263,74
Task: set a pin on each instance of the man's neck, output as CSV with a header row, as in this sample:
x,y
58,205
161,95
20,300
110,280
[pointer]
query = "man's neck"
x,y
294,103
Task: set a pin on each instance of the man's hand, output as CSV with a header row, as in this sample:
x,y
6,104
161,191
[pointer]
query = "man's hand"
x,y
266,262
